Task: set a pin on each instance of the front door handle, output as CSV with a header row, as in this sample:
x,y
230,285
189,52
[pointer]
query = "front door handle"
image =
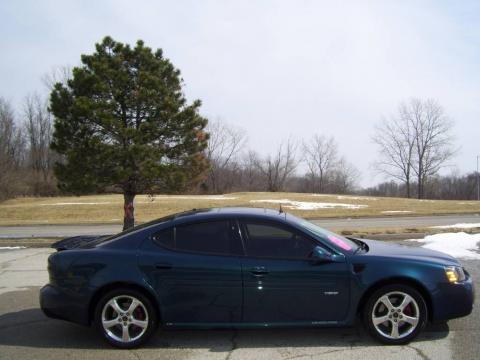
x,y
259,271
163,266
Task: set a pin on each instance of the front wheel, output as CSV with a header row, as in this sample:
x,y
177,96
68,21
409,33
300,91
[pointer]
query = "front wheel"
x,y
395,314
125,318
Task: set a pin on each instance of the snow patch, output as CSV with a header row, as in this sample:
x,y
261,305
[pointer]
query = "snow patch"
x,y
75,203
342,197
457,226
459,245
192,197
168,197
396,211
304,205
12,247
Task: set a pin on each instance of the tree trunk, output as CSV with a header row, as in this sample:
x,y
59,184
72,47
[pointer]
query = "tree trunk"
x,y
420,187
128,217
407,184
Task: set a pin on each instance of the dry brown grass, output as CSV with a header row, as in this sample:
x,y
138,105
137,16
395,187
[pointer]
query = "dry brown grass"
x,y
109,208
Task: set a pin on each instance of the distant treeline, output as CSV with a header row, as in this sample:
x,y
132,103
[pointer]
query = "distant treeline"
x,y
448,187
26,163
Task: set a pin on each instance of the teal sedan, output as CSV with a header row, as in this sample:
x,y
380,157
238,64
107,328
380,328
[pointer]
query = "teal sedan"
x,y
249,268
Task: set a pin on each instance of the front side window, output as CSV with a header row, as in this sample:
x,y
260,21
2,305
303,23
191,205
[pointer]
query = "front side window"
x,y
275,241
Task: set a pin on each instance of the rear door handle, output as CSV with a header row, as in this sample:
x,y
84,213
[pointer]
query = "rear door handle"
x,y
259,271
163,266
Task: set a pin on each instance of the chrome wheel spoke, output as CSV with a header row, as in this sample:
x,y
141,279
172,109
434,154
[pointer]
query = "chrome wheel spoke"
x,y
125,333
386,301
406,300
379,320
107,324
140,323
135,303
394,332
410,320
115,306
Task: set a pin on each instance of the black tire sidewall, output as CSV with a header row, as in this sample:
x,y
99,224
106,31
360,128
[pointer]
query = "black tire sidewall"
x,y
391,288
152,317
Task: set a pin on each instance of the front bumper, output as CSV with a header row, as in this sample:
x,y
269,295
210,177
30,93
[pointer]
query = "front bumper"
x,y
454,300
58,303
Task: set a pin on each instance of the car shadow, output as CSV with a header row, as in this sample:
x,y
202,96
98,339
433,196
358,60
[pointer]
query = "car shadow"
x,y
31,328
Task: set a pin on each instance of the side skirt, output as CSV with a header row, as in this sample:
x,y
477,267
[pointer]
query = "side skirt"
x,y
303,324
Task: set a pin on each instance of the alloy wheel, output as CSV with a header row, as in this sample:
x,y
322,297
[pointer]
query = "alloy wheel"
x,y
395,315
124,318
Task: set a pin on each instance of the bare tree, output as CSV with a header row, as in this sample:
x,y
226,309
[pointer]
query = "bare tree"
x,y
417,142
58,74
395,138
251,176
12,147
224,145
320,155
433,139
277,168
345,177
39,128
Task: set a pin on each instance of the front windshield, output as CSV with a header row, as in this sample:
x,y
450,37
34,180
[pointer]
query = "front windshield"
x,y
330,237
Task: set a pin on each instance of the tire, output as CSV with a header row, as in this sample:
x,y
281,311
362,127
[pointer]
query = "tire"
x,y
125,318
403,311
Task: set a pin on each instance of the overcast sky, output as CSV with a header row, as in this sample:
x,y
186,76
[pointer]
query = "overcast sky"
x,y
275,68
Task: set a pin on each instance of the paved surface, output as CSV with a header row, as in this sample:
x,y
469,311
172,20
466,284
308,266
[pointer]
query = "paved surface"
x,y
332,224
25,333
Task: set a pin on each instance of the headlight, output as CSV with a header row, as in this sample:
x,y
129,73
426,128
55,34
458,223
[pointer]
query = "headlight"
x,y
454,274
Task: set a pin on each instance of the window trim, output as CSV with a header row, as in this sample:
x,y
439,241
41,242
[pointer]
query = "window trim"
x,y
163,246
290,228
192,252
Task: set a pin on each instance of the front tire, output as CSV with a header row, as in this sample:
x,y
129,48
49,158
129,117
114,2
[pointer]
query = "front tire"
x,y
395,314
125,318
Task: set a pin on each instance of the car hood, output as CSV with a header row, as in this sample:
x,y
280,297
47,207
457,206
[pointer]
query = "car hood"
x,y
384,249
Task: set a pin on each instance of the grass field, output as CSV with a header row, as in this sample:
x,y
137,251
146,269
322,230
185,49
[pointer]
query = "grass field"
x,y
109,208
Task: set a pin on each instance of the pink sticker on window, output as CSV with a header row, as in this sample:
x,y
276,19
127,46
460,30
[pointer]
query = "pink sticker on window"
x,y
339,242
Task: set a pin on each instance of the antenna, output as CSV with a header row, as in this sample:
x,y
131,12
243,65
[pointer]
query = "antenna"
x,y
280,210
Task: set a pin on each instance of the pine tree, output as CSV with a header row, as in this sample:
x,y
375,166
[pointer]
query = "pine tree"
x,y
122,124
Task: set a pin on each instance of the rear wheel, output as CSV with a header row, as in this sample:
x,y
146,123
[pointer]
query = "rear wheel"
x,y
395,314
125,318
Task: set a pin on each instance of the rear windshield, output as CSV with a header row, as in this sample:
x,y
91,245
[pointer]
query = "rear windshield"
x,y
106,239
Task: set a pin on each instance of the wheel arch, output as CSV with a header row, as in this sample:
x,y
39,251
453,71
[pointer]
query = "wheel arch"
x,y
121,284
398,280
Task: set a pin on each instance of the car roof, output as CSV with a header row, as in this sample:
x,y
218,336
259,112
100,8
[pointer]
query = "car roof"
x,y
222,212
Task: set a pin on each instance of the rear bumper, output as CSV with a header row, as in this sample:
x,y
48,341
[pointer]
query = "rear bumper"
x,y
59,304
454,301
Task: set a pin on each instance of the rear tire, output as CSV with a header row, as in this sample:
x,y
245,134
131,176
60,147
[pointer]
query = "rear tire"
x,y
395,314
125,318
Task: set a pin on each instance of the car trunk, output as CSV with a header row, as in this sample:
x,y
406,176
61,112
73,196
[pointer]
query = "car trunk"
x,y
75,242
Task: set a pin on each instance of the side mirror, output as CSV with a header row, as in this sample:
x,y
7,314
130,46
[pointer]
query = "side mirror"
x,y
320,255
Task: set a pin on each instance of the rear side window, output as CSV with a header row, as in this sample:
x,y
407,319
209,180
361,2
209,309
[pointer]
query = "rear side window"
x,y
214,237
208,237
